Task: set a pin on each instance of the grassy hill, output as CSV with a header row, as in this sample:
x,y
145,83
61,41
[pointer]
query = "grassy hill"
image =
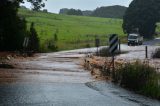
x,y
72,31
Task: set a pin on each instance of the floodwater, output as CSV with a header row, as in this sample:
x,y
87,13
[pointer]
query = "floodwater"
x,y
59,79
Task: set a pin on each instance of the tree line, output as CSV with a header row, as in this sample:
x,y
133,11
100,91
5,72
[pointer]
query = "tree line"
x,y
142,16
106,12
71,11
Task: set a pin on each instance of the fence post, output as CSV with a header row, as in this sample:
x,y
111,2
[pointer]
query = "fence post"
x,y
119,45
146,49
113,69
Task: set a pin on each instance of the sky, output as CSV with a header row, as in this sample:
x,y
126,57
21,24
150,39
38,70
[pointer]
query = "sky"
x,y
55,5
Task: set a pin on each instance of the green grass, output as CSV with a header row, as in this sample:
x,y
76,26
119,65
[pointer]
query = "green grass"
x,y
141,78
71,29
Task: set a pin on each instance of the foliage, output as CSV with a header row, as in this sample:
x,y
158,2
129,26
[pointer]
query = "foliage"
x,y
52,45
63,11
110,12
135,75
74,12
45,10
12,27
87,12
156,54
34,40
55,37
143,16
139,77
37,4
106,12
67,11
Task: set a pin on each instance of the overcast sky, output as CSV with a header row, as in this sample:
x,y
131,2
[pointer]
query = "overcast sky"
x,y
55,5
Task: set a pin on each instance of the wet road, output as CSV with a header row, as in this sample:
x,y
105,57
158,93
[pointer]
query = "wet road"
x,y
152,42
58,79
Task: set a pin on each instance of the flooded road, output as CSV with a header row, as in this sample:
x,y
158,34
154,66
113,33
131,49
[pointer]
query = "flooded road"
x,y
59,79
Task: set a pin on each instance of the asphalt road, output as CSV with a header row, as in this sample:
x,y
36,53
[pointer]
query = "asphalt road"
x,y
152,42
58,79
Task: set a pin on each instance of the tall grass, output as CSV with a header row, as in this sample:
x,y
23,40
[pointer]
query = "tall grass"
x,y
141,78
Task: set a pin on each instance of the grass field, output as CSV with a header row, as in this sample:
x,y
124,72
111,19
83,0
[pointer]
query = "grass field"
x,y
72,31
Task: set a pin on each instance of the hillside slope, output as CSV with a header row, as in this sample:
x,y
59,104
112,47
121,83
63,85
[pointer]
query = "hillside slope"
x,y
72,31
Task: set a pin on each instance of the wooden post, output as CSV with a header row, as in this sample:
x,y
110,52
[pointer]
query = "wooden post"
x,y
119,45
97,52
113,71
146,49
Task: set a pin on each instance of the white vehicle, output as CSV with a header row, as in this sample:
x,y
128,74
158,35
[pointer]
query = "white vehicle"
x,y
135,39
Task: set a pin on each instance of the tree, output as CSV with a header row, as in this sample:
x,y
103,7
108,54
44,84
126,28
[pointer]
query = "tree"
x,y
63,11
110,12
37,4
45,10
12,27
34,40
55,35
74,12
142,15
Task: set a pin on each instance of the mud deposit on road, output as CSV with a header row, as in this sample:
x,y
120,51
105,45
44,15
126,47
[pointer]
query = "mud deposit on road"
x,y
59,79
47,68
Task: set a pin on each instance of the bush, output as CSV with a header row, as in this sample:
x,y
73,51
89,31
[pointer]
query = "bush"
x,y
156,54
152,89
12,26
104,52
51,45
34,40
87,45
140,77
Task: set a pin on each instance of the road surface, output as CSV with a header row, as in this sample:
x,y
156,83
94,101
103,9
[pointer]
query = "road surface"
x,y
58,79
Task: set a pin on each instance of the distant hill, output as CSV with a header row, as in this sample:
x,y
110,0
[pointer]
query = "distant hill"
x,y
63,11
105,12
110,12
66,11
87,12
71,12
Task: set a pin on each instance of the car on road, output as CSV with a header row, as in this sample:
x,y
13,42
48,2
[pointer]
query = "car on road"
x,y
135,39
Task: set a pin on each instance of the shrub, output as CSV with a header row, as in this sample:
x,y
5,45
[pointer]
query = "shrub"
x,y
140,77
34,40
87,45
156,54
104,52
51,45
135,75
